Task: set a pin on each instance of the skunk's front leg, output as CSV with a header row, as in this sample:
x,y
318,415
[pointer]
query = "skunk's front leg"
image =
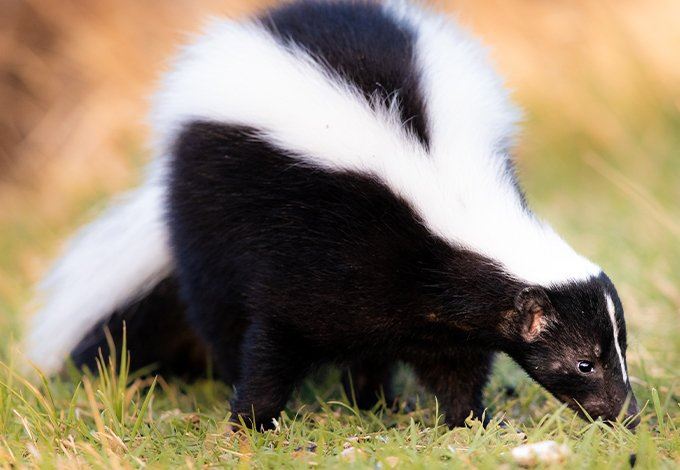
x,y
457,380
270,368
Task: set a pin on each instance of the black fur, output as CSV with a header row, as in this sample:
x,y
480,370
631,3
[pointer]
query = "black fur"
x,y
156,332
357,41
302,267
284,267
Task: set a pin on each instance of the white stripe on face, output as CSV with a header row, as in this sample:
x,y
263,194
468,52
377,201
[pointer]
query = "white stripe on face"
x,y
612,317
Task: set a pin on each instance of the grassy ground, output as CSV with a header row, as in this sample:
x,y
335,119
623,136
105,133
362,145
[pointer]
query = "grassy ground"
x,y
601,162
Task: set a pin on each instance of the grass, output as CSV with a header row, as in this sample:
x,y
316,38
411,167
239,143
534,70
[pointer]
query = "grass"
x,y
600,161
117,420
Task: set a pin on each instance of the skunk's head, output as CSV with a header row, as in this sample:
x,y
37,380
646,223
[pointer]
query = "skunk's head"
x,y
572,340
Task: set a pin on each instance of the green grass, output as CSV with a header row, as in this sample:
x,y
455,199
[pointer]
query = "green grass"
x,y
116,420
616,201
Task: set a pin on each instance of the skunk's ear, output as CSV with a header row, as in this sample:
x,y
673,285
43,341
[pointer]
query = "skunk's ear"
x,y
529,317
533,306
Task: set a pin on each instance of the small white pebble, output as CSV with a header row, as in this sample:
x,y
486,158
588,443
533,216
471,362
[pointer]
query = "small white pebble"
x,y
277,425
33,450
349,454
392,461
549,452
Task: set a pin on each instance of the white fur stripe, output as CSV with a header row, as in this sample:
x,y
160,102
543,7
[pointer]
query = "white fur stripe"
x,y
472,121
239,74
615,329
109,263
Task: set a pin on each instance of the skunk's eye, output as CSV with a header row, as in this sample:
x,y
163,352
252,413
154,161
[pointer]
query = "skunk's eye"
x,y
585,367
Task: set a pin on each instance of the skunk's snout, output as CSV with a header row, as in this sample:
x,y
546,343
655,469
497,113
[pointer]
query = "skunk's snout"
x,y
610,410
630,417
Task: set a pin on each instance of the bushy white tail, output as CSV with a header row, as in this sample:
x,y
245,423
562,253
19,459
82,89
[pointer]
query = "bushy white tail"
x,y
115,259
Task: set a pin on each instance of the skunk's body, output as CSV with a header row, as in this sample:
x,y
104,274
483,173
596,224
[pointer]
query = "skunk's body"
x,y
333,184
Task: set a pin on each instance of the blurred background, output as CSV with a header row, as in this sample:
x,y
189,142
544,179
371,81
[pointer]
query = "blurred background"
x,y
599,153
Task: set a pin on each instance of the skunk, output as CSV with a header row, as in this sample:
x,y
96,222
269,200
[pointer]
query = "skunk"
x,y
333,183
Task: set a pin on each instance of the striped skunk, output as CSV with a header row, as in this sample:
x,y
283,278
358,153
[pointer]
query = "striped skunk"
x,y
333,183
